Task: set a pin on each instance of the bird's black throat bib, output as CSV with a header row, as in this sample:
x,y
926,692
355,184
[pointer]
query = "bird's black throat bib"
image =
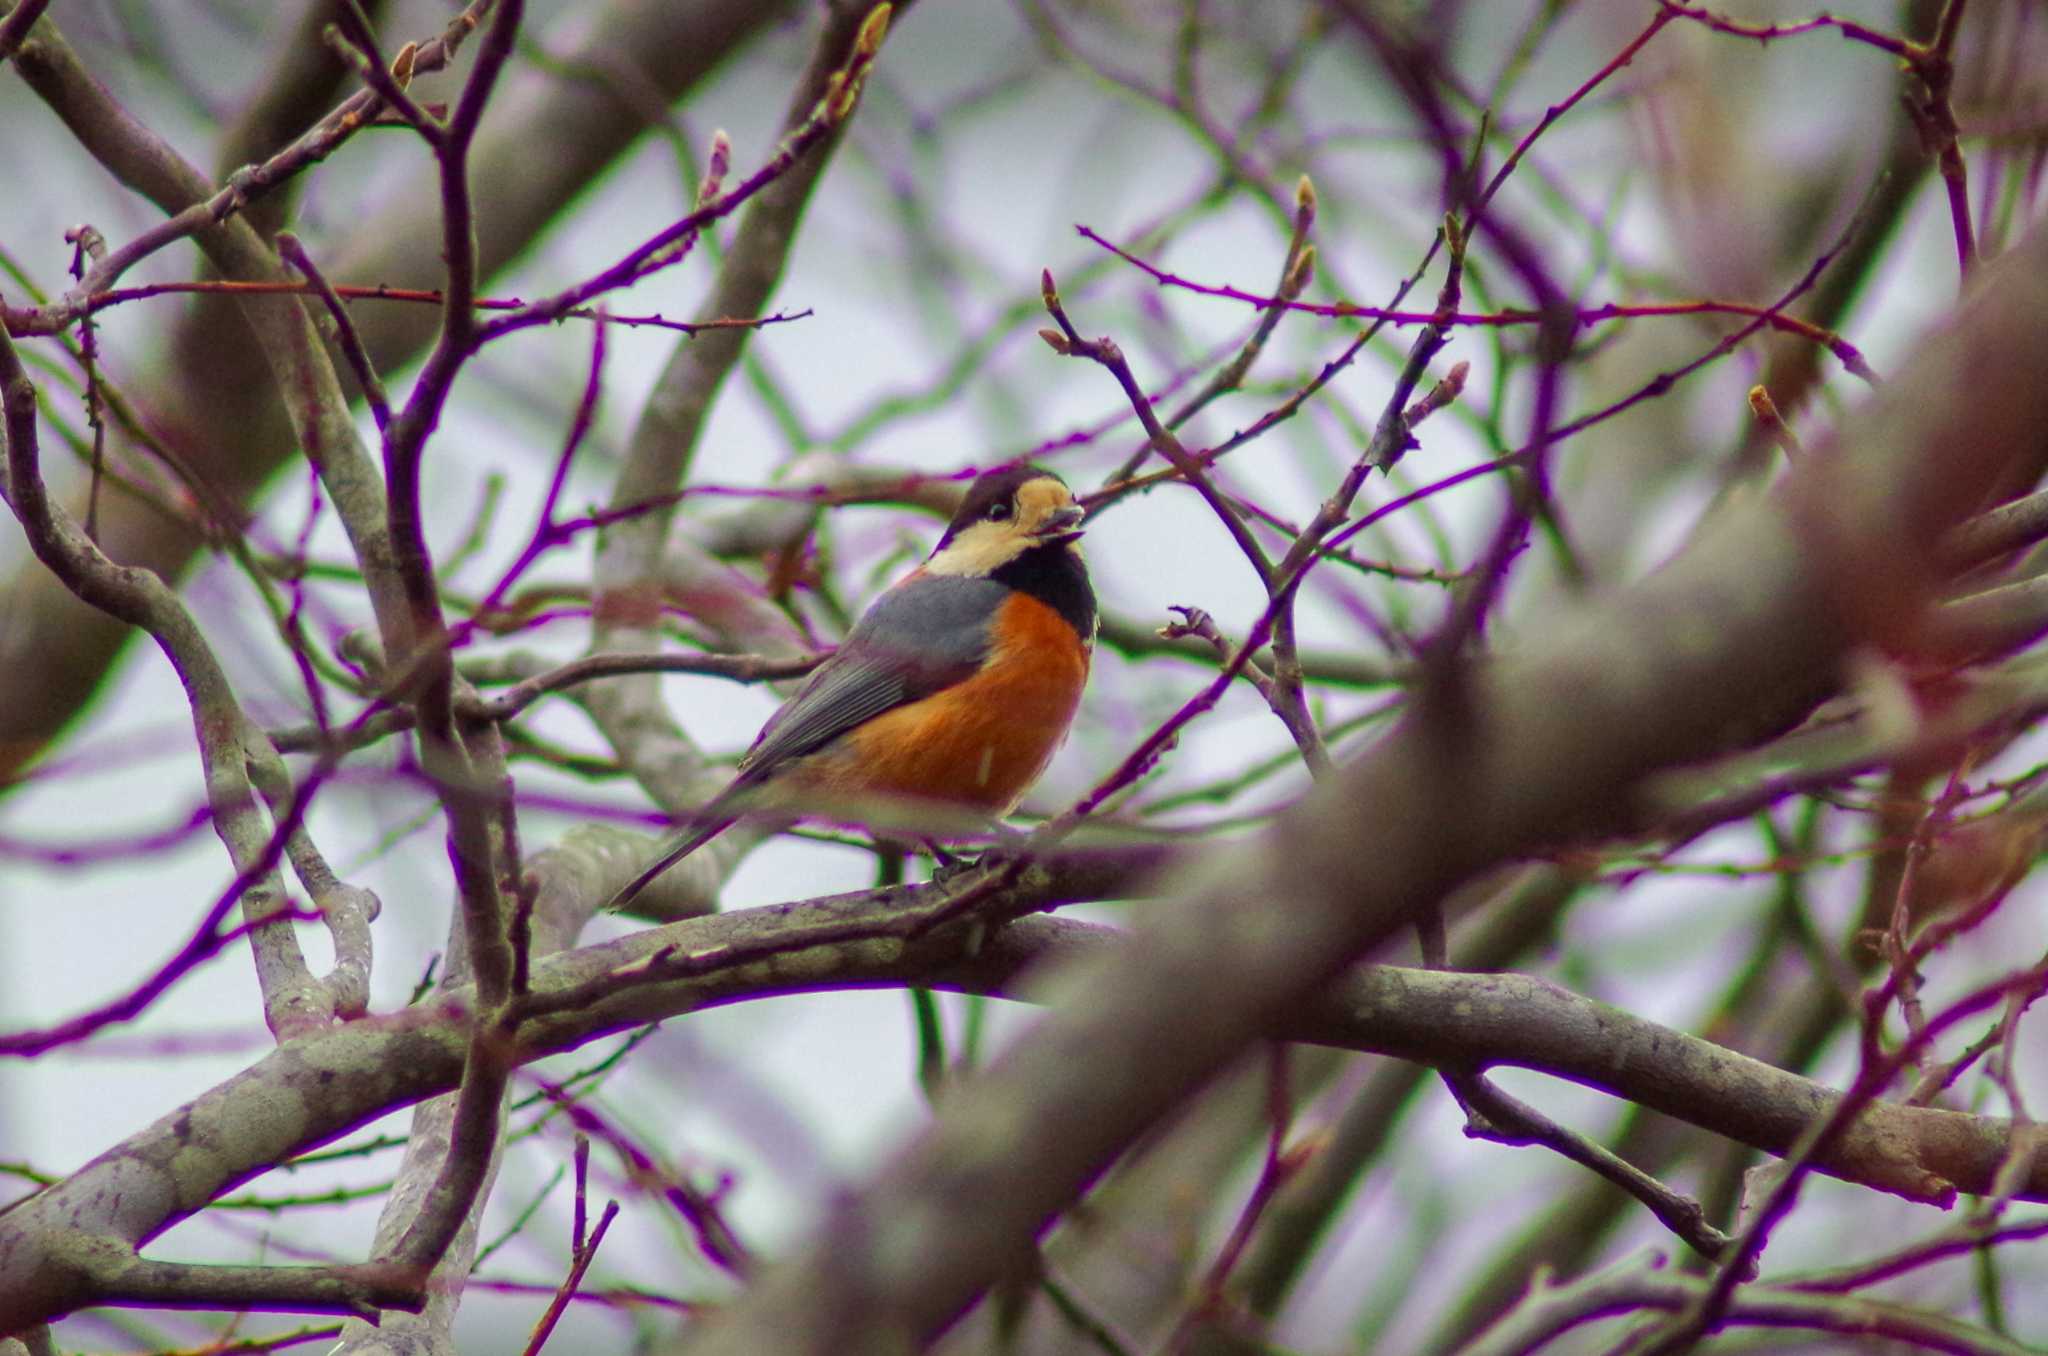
x,y
1055,576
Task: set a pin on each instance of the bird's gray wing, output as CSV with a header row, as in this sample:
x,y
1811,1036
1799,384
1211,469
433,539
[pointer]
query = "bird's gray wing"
x,y
921,637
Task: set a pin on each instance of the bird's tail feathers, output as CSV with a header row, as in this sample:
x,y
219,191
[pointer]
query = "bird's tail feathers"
x,y
718,815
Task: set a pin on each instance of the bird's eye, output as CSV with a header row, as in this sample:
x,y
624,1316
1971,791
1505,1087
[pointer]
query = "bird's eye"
x,y
998,511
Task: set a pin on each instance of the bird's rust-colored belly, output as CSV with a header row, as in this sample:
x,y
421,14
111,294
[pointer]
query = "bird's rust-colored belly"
x,y
980,743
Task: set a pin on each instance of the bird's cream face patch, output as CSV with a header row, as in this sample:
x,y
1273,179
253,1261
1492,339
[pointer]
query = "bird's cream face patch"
x,y
1037,502
1038,506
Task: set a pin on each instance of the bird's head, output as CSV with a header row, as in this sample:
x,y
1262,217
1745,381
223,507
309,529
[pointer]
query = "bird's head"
x,y
1005,514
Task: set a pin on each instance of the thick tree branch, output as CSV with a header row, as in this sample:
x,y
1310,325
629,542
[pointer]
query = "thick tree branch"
x,y
314,1089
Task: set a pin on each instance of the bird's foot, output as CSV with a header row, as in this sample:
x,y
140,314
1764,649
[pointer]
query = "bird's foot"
x,y
950,866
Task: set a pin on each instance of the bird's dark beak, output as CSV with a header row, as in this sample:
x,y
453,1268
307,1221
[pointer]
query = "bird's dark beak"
x,y
1062,524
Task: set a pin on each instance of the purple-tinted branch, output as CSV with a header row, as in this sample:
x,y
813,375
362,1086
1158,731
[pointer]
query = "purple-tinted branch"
x,y
1981,1231
1069,343
1655,387
699,1209
1417,73
80,851
28,321
642,566
580,1223
383,721
1556,111
1280,413
547,532
740,668
823,121
1632,1287
1931,64
208,939
1849,29
15,26
358,45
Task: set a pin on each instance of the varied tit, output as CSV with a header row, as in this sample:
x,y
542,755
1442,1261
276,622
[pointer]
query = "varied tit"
x,y
956,687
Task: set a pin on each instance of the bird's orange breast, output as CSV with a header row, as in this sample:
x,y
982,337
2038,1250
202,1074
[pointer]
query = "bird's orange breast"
x,y
980,743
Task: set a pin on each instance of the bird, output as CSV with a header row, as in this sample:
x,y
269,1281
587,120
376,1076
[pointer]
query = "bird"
x,y
956,686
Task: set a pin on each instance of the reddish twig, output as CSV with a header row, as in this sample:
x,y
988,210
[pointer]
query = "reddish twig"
x,y
584,1255
1508,317
28,321
253,181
